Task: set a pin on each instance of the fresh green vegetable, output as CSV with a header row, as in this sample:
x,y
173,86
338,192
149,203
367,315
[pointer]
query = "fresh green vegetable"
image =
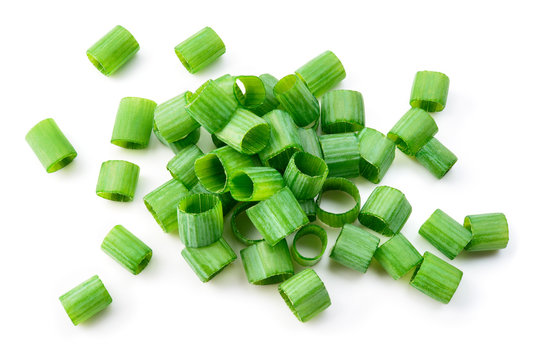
x,y
322,73
338,219
296,99
310,141
117,180
435,157
305,175
265,264
445,233
430,91
342,154
310,229
241,208
163,203
245,132
200,220
85,300
309,208
134,122
413,131
255,183
181,166
342,111
113,50
397,256
489,231
377,153
126,249
208,261
200,50
270,102
354,248
227,202
172,120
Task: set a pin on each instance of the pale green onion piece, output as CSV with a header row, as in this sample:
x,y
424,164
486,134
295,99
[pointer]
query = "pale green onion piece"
x,y
489,231
134,122
265,264
208,261
245,132
305,175
126,249
270,102
234,224
342,111
435,157
322,73
338,219
227,202
226,83
200,220
200,50
295,98
377,153
192,139
310,141
253,93
217,143
430,91
309,208
163,203
255,183
413,131
181,166
310,229
354,248
397,256
342,154
117,180
172,120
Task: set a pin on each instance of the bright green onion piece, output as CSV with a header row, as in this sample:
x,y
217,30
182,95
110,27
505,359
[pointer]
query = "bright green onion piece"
x,y
342,154
255,183
305,294
354,248
51,147
310,229
85,300
163,203
134,123
126,249
377,153
277,216
200,50
200,219
435,157
265,264
227,202
436,278
217,143
117,180
397,256
430,91
234,224
305,175
181,166
489,232
322,73
192,139
445,233
413,131
310,141
342,111
253,93
385,211
172,120
338,219
297,100
270,102
309,208
245,132
208,261
113,50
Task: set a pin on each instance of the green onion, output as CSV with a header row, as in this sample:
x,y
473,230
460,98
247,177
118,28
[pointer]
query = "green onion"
x,y
134,122
200,220
489,231
113,50
51,147
127,249
342,111
200,50
172,120
265,264
245,132
163,203
241,208
339,219
270,102
192,139
305,294
310,141
217,143
341,153
377,153
295,98
117,180
254,93
322,73
354,248
305,175
227,202
413,131
310,229
397,256
85,300
309,208
255,183
445,233
181,166
208,261
436,278
430,91
435,157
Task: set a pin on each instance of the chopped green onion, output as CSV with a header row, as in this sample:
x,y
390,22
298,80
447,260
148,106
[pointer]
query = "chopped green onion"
x,y
309,208
217,143
305,175
430,91
310,229
338,219
172,120
181,166
234,224
342,154
127,249
397,256
117,180
435,157
254,92
208,261
354,248
163,203
295,98
342,111
227,202
245,132
134,122
226,83
489,231
310,141
255,183
192,139
85,300
377,153
413,131
200,219
270,102
200,50
322,73
265,264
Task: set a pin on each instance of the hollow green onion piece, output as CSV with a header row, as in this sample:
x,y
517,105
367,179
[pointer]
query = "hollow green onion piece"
x,y
342,111
172,120
245,132
341,153
445,233
305,294
117,180
310,141
227,202
210,260
234,224
51,147
255,183
200,219
377,153
163,203
253,93
413,131
200,50
430,91
305,175
295,98
397,256
192,139
85,300
265,264
322,73
113,50
339,219
134,122
181,166
126,249
270,102
435,157
217,143
309,208
354,248
489,231
436,278
310,229
277,216
385,211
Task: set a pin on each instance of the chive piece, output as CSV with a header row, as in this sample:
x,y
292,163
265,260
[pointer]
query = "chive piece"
x,y
310,141
181,166
113,50
309,208
305,294
397,256
342,111
322,73
354,248
435,157
489,231
265,264
342,154
253,94
210,260
277,216
295,98
172,120
310,229
217,143
338,219
85,300
163,203
227,202
270,102
200,50
51,147
385,211
430,91
117,180
445,233
305,175
134,122
436,278
234,224
127,249
245,132
255,183
192,139
377,153
200,219
413,131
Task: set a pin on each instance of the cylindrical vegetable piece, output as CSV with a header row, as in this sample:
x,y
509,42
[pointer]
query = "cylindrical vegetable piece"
x,y
342,154
245,132
51,147
310,141
117,180
305,294
305,175
310,229
436,278
85,300
397,256
253,93
134,122
241,208
445,233
309,208
489,231
377,153
255,183
354,248
435,157
172,120
200,50
295,98
227,202
265,264
113,50
413,131
322,73
429,91
342,111
181,166
200,220
192,139
270,102
163,203
339,219
208,261
127,249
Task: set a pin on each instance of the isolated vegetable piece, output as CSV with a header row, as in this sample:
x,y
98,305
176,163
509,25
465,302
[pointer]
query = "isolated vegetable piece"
x,y
429,91
435,157
227,202
297,100
310,141
181,166
338,219
310,229
270,102
241,208
245,132
342,154
397,256
489,231
309,208
200,220
413,131
117,180
305,175
172,120
265,264
354,248
85,300
208,261
342,111
126,249
134,122
200,50
255,183
377,153
322,73
163,203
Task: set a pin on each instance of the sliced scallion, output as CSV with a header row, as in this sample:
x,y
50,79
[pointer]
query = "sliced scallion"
x,y
181,166
227,202
489,231
322,73
208,261
113,50
430,91
117,180
338,219
253,93
255,183
245,132
200,50
397,256
217,143
172,120
134,123
310,229
413,131
354,248
435,157
85,300
309,208
342,111
163,203
297,100
241,208
342,154
310,141
377,153
192,139
270,102
126,249
265,264
200,220
305,175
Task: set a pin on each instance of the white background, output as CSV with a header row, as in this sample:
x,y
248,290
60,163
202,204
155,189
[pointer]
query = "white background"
x,y
52,224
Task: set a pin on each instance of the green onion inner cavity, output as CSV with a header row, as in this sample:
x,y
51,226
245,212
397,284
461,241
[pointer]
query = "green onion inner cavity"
x,y
336,201
309,245
246,227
